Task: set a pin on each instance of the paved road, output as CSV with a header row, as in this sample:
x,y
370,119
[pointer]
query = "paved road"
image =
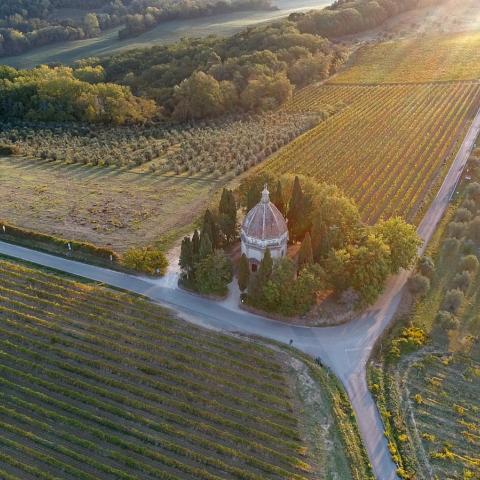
x,y
345,349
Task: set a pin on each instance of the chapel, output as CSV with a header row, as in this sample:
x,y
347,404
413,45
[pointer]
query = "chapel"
x,y
264,227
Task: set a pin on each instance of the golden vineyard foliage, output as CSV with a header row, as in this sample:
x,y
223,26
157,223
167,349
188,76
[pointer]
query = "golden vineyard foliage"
x,y
386,146
430,59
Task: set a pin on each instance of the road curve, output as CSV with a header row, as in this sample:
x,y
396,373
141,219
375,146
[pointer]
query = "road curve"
x,y
345,349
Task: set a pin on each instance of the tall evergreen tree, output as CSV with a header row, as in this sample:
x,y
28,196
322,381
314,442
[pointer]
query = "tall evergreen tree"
x,y
277,198
253,197
196,245
296,211
228,215
186,261
210,228
206,247
266,266
243,273
305,254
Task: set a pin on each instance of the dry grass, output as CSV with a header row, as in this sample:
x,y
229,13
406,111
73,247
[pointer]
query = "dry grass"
x,y
100,205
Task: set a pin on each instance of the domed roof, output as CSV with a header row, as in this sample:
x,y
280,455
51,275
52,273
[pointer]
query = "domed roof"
x,y
264,221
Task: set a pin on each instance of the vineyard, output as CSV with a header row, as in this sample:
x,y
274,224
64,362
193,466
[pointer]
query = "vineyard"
x,y
386,147
96,384
428,392
414,60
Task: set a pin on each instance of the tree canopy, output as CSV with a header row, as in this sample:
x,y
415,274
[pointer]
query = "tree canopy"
x,y
56,94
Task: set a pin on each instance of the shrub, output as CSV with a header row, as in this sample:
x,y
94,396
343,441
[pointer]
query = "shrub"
x,y
419,285
473,191
474,230
457,230
453,300
426,266
463,215
462,281
147,260
470,205
469,263
447,320
8,149
451,245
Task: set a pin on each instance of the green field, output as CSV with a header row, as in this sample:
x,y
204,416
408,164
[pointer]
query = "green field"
x,y
429,393
437,58
96,384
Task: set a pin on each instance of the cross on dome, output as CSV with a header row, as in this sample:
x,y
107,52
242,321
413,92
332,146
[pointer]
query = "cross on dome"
x,y
265,194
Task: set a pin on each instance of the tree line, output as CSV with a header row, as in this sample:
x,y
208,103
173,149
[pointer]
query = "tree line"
x,y
58,94
28,24
345,17
205,266
149,13
255,70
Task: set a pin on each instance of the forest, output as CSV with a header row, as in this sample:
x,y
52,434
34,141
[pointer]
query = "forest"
x,y
257,69
346,17
26,24
59,94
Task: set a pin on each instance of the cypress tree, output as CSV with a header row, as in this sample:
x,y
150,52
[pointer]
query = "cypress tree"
x,y
298,212
196,244
253,197
266,266
206,247
228,214
243,273
186,257
277,198
305,254
295,208
210,228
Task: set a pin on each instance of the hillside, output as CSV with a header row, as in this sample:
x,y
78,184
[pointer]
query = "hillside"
x,y
387,147
396,126
97,384
426,375
436,58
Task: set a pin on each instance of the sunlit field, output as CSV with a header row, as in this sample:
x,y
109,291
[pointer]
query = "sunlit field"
x,y
430,59
387,147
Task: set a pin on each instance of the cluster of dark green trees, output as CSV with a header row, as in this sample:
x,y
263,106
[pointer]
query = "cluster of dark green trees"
x,y
204,264
338,250
148,13
346,17
62,94
255,70
27,24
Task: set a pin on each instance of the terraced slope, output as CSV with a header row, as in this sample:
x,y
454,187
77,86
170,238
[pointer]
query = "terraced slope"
x,y
387,147
95,384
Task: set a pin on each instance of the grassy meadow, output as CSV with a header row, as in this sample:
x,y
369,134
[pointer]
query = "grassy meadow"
x,y
101,205
97,384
